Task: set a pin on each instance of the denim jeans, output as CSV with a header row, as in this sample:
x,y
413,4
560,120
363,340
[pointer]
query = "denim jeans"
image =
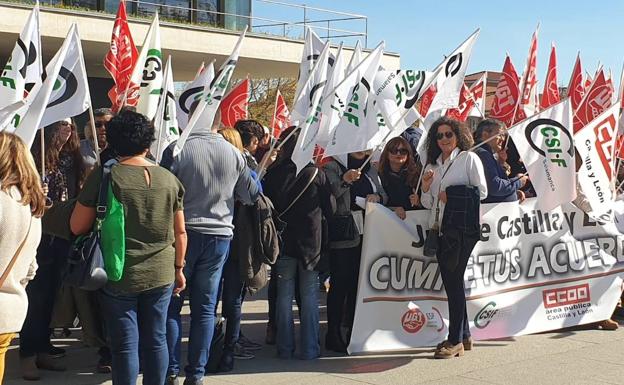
x,y
205,256
233,289
133,320
286,269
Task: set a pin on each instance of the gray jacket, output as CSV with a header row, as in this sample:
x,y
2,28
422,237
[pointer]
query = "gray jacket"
x,y
342,194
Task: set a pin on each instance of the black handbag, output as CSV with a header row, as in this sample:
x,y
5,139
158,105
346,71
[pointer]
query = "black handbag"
x,y
432,242
342,228
85,264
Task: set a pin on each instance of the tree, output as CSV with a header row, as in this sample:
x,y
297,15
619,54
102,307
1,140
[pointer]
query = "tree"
x,y
262,97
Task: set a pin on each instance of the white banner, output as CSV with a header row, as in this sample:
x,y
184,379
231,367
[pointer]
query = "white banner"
x,y
531,272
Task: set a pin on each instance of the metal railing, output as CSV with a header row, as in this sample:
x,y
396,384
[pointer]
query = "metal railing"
x,y
293,18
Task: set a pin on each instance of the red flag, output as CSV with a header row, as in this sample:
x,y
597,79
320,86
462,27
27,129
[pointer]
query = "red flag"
x,y
468,100
121,58
597,99
281,117
576,89
234,105
550,95
588,81
506,96
527,103
426,99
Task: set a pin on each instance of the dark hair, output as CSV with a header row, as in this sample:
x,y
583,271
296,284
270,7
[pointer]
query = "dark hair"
x,y
287,149
54,148
487,125
464,139
129,133
410,166
102,112
249,129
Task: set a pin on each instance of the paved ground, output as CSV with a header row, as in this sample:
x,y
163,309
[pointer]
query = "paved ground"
x,y
570,357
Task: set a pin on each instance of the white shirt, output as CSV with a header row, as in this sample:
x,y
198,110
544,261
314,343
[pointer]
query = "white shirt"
x,y
466,170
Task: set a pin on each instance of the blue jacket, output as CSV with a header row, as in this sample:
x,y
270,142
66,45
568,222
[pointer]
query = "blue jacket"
x,y
500,187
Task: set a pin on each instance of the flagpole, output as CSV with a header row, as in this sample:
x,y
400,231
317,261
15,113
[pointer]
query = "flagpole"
x,y
274,112
42,143
261,168
94,133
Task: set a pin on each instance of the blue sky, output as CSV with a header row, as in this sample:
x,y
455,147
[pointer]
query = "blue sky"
x,y
423,31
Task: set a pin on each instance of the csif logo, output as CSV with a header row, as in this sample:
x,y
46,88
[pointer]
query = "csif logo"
x,y
556,139
485,315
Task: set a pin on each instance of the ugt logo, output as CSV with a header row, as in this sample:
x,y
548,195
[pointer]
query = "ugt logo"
x,y
485,315
556,139
413,320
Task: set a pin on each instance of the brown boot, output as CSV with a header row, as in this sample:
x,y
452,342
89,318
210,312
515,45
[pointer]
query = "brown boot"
x,y
608,324
46,362
468,344
449,351
29,369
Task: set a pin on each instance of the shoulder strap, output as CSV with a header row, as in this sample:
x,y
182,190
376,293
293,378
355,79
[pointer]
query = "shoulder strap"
x,y
17,253
103,192
314,174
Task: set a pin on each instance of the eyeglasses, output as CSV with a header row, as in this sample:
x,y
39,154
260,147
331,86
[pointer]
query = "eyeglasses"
x,y
448,134
399,151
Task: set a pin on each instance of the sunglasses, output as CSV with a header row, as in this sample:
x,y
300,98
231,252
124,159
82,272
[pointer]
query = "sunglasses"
x,y
99,124
448,134
399,151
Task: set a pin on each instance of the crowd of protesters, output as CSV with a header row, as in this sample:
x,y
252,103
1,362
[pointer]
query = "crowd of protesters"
x,y
190,235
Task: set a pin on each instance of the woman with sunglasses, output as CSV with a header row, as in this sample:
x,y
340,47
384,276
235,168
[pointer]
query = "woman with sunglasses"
x,y
399,176
64,173
451,167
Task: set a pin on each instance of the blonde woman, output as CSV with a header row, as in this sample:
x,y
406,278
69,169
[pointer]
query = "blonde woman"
x,y
22,203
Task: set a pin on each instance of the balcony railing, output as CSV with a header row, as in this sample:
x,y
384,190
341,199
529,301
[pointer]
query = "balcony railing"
x,y
259,15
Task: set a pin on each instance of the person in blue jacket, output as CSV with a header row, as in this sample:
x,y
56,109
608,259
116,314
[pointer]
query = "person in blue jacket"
x,y
501,188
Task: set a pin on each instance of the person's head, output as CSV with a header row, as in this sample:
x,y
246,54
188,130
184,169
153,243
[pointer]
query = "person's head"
x,y
232,136
397,156
251,133
101,117
129,133
58,137
288,147
488,128
444,136
17,168
266,139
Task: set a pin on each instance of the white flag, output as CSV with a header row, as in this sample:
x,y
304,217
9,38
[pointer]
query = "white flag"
x,y
165,124
204,114
25,66
360,120
333,105
451,76
304,149
147,77
193,92
312,49
62,94
596,149
356,58
9,113
546,147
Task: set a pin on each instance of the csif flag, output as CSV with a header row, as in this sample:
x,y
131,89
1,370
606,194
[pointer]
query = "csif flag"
x,y
121,58
24,68
146,80
203,117
506,95
550,95
470,99
596,100
235,103
193,91
63,93
333,104
596,146
165,123
545,145
308,136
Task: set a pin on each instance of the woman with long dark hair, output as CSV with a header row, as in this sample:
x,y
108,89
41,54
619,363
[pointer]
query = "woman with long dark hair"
x,y
452,186
399,175
64,172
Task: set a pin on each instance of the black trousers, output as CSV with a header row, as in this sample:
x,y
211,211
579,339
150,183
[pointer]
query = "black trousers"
x,y
453,280
41,292
344,268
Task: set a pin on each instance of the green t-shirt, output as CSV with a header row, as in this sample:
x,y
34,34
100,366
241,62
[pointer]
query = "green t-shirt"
x,y
149,211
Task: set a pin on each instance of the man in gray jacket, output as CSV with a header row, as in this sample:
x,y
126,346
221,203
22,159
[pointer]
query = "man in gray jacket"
x,y
214,175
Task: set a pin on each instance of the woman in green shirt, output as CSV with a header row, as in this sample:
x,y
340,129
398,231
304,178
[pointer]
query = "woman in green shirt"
x,y
135,307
